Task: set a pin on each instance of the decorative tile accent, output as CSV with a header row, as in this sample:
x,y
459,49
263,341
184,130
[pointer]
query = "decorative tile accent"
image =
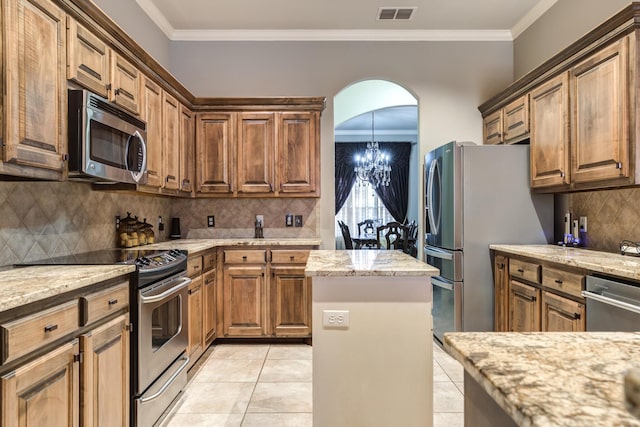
x,y
612,216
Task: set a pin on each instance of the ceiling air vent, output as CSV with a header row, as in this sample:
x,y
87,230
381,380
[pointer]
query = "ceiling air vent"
x,y
395,13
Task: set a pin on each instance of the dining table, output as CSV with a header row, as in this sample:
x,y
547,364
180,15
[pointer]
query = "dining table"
x,y
366,240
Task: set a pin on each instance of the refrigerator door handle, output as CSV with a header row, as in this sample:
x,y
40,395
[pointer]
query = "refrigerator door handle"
x,y
438,253
432,222
439,283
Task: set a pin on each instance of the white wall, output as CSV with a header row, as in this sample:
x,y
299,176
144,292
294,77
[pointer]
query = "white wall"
x,y
132,19
449,79
564,23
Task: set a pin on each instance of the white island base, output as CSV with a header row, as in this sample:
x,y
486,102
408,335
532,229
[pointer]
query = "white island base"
x,y
377,371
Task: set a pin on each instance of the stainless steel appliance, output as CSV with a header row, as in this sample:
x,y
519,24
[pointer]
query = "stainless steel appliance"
x,y
159,313
476,195
612,304
105,142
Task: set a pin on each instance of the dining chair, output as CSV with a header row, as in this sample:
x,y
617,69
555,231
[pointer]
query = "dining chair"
x,y
395,234
346,235
368,226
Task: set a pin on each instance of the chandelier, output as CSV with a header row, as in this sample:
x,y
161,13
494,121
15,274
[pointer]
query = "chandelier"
x,y
373,167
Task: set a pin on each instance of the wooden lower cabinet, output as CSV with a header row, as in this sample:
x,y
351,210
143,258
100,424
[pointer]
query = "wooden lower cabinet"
x,y
194,302
561,314
105,374
501,292
290,302
44,392
244,301
209,308
524,307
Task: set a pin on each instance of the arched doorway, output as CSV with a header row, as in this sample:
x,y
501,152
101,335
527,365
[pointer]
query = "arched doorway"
x,y
387,113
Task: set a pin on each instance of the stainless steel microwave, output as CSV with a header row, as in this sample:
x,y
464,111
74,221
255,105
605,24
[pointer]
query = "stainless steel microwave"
x,y
106,143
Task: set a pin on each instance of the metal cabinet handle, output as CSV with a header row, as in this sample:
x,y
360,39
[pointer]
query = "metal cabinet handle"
x,y
520,270
574,316
113,301
558,281
530,298
50,328
244,258
292,258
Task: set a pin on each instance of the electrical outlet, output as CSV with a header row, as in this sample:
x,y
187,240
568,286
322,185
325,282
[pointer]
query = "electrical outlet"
x,y
298,221
288,220
583,224
160,224
260,219
211,221
117,222
335,319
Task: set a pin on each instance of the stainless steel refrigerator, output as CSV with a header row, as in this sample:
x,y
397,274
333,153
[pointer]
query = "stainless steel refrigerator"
x,y
476,195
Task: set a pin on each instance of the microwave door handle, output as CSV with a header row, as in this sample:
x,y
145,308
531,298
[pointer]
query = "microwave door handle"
x,y
432,222
136,175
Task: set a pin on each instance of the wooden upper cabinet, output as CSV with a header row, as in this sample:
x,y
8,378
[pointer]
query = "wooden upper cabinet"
x,y
171,141
215,136
600,115
255,151
87,59
151,113
125,84
298,153
187,149
492,128
516,120
35,87
550,133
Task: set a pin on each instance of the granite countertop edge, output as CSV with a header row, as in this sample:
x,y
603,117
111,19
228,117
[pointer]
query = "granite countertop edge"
x,y
624,266
199,245
366,263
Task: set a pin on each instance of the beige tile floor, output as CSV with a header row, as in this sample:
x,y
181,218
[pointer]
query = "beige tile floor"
x,y
270,385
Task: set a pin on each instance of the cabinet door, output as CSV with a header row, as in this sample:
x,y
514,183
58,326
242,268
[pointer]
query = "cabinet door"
x,y
35,91
105,374
561,314
210,311
492,128
195,317
600,119
298,162
524,307
501,291
516,120
215,135
187,149
151,113
171,141
550,133
244,301
290,302
125,84
44,392
87,59
255,147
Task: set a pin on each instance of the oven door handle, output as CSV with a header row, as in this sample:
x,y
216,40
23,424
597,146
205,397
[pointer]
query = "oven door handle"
x,y
183,283
170,381
610,301
441,284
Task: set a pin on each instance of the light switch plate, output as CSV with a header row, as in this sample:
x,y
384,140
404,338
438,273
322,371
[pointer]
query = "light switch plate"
x,y
298,221
211,221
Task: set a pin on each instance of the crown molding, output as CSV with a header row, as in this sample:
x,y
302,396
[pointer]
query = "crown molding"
x,y
532,16
157,17
341,35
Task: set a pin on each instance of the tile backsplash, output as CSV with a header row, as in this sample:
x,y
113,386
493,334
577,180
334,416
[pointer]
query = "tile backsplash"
x,y
612,216
45,219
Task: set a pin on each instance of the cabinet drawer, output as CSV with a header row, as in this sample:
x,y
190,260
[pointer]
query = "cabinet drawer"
x,y
524,270
570,283
194,266
245,257
282,256
29,333
100,304
209,261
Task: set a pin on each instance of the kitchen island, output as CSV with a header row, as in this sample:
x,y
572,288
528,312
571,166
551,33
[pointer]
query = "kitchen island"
x,y
372,338
545,379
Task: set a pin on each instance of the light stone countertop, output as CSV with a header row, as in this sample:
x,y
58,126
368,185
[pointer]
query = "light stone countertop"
x,y
602,262
366,263
199,245
552,379
24,285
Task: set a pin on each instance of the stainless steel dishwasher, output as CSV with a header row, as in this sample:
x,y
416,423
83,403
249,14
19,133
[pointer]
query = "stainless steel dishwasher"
x,y
612,305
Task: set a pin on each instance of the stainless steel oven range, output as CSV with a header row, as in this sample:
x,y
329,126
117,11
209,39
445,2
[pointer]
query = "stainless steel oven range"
x,y
158,305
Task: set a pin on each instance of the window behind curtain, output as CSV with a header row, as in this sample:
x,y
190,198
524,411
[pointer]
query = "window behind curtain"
x,y
362,203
